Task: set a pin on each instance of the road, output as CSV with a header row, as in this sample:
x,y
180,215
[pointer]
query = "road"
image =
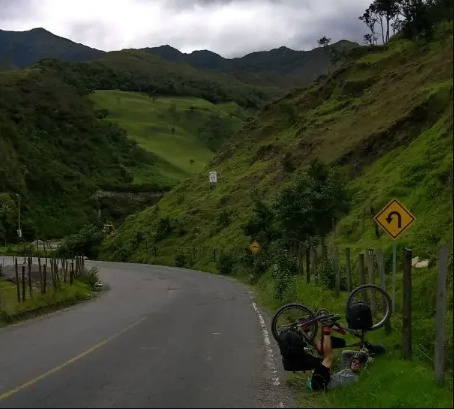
x,y
159,337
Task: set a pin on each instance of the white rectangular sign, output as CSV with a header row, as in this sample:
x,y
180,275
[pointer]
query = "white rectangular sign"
x,y
213,177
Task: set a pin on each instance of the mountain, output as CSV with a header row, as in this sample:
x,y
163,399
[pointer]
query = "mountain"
x,y
24,48
299,67
137,71
281,67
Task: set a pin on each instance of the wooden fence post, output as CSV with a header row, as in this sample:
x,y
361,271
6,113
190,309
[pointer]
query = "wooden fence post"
x,y
44,279
348,267
371,271
17,280
362,274
406,330
440,336
382,272
300,258
71,273
40,275
30,284
308,264
394,272
337,272
23,283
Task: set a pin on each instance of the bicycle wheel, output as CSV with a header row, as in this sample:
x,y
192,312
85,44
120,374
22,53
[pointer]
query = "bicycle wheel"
x,y
300,315
373,301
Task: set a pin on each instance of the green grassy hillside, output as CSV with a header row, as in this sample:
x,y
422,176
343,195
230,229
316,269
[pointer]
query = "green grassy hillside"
x,y
385,117
181,132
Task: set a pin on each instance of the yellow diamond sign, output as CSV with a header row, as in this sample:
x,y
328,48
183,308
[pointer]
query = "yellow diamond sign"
x,y
255,247
394,218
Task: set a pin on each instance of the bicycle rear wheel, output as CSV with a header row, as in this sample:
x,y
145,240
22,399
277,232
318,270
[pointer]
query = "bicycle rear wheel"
x,y
297,316
376,290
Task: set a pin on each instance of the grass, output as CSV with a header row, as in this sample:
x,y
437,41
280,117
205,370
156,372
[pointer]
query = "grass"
x,y
169,127
12,310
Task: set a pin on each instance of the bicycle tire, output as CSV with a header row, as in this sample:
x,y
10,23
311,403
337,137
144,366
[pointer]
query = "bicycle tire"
x,y
313,325
388,313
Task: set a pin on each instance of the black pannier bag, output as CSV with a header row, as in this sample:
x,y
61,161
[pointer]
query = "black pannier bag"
x,y
294,356
359,316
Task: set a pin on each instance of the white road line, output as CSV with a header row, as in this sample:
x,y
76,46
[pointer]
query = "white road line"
x,y
269,351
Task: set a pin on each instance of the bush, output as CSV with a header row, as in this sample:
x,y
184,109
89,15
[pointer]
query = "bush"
x,y
223,219
225,263
163,229
326,274
86,242
284,284
89,277
284,271
255,264
180,260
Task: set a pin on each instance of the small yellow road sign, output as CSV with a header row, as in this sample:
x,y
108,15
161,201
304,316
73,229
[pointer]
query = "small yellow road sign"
x,y
255,247
394,218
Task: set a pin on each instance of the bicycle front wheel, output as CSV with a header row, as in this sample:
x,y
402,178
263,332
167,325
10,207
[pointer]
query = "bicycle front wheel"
x,y
295,316
377,298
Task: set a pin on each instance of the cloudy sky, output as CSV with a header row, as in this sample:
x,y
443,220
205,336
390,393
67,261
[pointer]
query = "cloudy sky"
x,y
228,27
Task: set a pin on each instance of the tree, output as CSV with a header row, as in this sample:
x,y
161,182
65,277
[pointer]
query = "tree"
x,y
368,39
8,212
306,208
370,19
261,226
325,42
388,9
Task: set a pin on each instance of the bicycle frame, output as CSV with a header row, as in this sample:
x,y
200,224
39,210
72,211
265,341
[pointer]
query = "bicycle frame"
x,y
340,330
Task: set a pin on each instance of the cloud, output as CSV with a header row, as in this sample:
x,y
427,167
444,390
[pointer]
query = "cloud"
x,y
228,27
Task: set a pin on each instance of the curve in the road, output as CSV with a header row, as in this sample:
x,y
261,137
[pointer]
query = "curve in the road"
x,y
160,337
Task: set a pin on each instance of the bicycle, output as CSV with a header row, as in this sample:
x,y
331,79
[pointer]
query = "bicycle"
x,y
308,326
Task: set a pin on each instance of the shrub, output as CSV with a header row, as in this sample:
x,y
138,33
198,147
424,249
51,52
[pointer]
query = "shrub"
x,y
180,260
326,273
225,263
89,277
86,242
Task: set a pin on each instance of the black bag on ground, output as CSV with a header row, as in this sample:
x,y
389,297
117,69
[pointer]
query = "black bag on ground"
x,y
359,316
294,356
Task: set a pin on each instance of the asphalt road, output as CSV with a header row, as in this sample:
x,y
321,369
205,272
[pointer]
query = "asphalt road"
x,y
159,337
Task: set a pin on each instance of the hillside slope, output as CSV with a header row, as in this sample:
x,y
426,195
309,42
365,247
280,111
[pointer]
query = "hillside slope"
x,y
386,116
182,133
24,48
56,153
